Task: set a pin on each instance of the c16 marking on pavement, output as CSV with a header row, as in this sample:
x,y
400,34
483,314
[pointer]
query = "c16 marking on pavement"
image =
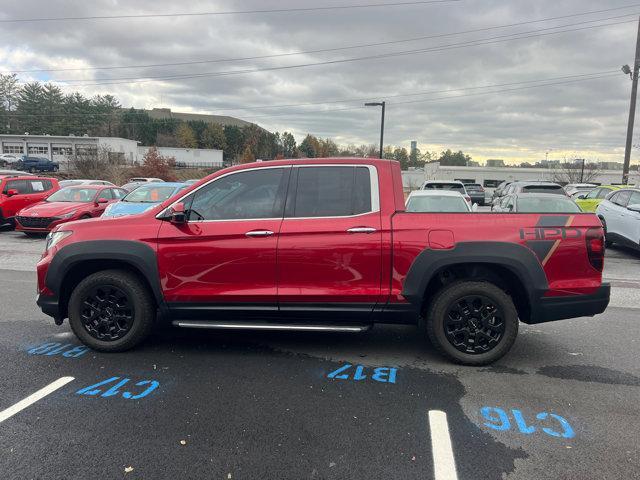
x,y
444,464
499,420
66,350
380,374
93,390
34,397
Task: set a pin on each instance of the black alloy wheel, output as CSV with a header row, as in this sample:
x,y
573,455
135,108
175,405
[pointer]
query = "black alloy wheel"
x,y
107,313
474,324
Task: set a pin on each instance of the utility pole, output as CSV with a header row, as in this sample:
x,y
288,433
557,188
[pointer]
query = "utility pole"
x,y
379,104
632,108
582,172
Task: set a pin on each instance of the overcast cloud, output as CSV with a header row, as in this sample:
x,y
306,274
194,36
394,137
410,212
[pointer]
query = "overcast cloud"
x,y
576,119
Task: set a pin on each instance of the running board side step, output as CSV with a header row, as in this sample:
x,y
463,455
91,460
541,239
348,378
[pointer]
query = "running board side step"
x,y
271,326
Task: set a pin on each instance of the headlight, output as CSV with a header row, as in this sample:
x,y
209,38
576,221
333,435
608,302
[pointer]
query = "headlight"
x,y
56,237
68,215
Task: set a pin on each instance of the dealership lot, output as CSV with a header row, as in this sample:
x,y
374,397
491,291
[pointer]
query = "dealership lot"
x,y
561,404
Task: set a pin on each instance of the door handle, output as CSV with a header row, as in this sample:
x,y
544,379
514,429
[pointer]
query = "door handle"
x,y
259,233
362,230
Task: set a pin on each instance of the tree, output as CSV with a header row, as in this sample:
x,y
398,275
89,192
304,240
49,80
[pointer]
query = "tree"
x,y
309,147
402,156
156,165
289,147
235,142
577,171
9,90
458,159
29,108
247,156
52,109
327,148
213,137
186,136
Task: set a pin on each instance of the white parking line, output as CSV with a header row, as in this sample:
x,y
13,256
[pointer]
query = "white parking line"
x,y
444,464
34,397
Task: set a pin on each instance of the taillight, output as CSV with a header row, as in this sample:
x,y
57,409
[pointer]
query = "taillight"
x,y
595,247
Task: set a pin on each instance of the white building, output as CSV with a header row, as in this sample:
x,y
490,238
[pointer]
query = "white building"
x,y
491,177
60,148
190,157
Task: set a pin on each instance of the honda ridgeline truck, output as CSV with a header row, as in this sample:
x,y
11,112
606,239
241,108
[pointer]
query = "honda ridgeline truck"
x,y
320,245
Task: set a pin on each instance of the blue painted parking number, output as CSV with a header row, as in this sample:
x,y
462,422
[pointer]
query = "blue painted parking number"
x,y
499,420
380,374
91,390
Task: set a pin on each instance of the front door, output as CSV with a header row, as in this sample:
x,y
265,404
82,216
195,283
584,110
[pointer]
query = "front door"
x,y
225,254
329,251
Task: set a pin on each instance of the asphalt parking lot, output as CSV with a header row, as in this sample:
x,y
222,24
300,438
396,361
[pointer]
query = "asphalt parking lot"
x,y
563,404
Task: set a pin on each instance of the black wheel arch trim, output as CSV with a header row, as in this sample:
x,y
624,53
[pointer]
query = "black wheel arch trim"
x,y
137,254
518,259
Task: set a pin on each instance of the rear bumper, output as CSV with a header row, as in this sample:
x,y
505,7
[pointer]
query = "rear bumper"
x,y
549,309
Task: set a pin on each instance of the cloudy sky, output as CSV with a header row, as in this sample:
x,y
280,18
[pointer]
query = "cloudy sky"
x,y
554,90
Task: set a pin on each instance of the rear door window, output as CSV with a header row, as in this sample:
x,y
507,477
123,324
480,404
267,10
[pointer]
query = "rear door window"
x,y
603,192
20,185
634,199
622,198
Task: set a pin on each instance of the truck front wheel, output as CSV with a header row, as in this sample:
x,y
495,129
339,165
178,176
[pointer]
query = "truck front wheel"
x,y
111,311
472,322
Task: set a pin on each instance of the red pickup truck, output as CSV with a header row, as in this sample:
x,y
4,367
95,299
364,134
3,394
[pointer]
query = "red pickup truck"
x,y
320,245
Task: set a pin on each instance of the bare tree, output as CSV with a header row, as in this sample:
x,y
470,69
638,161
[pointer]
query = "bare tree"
x,y
578,171
99,163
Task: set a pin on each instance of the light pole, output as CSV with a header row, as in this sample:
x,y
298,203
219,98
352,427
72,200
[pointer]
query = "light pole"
x,y
632,107
379,104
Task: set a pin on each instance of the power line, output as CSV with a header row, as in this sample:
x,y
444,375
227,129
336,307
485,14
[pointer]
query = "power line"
x,y
585,76
236,12
438,48
349,47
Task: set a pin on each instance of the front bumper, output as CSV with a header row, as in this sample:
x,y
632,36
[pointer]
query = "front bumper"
x,y
549,309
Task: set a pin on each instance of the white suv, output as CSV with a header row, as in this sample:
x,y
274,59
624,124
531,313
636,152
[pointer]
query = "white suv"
x,y
619,213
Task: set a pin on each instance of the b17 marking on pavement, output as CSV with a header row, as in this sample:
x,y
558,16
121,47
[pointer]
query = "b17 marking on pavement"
x,y
498,419
113,391
380,374
66,350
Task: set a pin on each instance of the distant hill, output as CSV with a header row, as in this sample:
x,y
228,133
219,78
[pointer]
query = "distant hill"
x,y
165,113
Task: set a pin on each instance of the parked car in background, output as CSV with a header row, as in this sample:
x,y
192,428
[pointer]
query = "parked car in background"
x,y
15,173
620,217
452,185
498,192
572,188
145,179
540,186
536,203
437,201
131,186
18,192
70,183
36,164
589,201
191,181
144,198
71,203
476,192
8,159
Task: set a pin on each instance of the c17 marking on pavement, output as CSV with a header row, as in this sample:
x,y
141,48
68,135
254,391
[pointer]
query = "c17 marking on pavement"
x,y
66,350
498,419
380,374
92,390
34,397
444,464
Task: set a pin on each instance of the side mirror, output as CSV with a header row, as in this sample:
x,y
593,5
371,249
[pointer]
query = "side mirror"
x,y
582,196
474,207
634,208
177,215
11,192
102,200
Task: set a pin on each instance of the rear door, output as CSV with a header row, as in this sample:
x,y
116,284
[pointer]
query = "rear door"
x,y
616,212
329,251
630,225
12,205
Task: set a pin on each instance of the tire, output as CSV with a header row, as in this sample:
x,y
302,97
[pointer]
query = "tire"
x,y
447,301
607,243
107,290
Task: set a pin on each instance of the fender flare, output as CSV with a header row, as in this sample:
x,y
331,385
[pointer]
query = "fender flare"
x,y
137,254
518,259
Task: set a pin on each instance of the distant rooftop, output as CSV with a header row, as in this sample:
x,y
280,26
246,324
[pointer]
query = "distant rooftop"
x,y
162,113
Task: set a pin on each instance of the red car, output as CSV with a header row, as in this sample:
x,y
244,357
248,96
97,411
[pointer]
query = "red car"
x,y
20,191
321,245
72,203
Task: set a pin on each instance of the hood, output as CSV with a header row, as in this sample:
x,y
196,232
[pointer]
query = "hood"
x,y
127,208
51,209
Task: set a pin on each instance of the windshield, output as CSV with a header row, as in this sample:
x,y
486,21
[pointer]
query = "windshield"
x,y
437,203
547,205
83,195
454,187
150,194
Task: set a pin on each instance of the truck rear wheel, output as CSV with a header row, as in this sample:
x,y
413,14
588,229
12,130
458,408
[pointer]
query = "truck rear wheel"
x,y
111,311
472,322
